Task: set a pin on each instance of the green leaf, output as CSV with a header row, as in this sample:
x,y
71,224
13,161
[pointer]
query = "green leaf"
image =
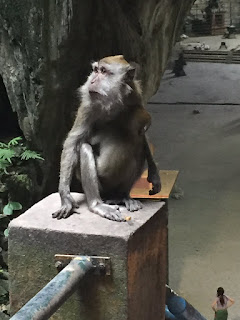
x,y
7,210
3,145
6,231
4,164
7,154
29,154
14,141
15,205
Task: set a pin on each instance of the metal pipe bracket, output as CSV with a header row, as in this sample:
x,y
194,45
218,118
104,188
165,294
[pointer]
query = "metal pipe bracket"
x,y
101,265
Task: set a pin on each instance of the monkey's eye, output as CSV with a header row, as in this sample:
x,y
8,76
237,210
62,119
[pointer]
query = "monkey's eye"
x,y
103,70
95,69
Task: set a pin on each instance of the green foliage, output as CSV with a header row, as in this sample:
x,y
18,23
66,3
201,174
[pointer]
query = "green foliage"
x,y
14,141
10,207
7,154
28,154
14,151
4,164
6,233
12,175
16,182
19,181
8,210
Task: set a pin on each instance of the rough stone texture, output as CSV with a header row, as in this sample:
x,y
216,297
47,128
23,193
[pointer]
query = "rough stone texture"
x,y
138,251
46,47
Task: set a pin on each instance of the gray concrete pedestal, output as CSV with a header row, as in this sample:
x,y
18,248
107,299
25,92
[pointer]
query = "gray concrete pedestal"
x,y
137,248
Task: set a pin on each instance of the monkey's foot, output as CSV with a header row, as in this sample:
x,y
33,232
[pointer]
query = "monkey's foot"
x,y
130,204
108,212
66,210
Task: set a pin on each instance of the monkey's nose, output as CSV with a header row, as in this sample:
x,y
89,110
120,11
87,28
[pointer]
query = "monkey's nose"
x,y
94,79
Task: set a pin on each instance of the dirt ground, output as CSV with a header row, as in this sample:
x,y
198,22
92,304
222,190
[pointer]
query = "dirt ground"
x,y
204,237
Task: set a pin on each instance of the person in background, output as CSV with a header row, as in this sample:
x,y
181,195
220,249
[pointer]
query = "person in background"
x,y
221,304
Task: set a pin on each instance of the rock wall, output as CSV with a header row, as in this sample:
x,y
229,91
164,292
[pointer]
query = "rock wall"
x,y
45,53
231,8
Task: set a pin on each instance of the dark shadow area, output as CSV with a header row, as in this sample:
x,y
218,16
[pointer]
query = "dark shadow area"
x,y
9,126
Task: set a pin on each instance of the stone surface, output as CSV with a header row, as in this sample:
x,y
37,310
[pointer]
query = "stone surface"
x,y
138,251
207,84
45,53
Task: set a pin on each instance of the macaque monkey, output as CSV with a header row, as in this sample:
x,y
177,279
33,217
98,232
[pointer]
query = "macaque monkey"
x,y
106,146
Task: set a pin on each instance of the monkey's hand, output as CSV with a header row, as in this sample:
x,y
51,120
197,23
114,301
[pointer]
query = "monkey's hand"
x,y
130,204
107,211
154,178
67,208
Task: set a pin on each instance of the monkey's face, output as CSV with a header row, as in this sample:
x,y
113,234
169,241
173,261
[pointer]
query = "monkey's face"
x,y
108,81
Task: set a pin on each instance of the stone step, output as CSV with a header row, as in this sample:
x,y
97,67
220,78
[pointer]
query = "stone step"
x,y
212,56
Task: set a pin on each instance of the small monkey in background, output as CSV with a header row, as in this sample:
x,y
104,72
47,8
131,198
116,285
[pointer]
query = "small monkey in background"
x,y
106,146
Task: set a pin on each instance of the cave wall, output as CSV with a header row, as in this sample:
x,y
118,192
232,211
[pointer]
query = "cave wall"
x,y
45,53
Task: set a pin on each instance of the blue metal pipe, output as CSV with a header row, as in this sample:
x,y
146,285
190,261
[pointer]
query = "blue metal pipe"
x,y
56,292
169,315
180,308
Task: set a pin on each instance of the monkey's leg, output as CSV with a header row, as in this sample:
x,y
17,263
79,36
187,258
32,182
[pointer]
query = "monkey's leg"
x,y
90,186
130,204
153,174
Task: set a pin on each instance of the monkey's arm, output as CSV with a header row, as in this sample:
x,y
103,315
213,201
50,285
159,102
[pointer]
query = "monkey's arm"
x,y
69,160
153,174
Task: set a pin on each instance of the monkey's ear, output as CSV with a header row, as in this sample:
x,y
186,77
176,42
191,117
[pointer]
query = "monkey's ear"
x,y
131,73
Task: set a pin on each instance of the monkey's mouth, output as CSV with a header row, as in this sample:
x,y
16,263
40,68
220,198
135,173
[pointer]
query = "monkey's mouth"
x,y
95,93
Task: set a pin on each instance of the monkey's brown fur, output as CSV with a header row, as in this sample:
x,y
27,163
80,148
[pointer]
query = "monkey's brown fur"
x,y
107,144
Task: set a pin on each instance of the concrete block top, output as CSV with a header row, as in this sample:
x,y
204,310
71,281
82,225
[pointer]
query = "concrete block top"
x,y
39,217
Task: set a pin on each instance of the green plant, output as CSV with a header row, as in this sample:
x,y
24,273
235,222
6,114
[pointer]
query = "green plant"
x,y
10,207
14,152
16,182
14,175
8,210
17,179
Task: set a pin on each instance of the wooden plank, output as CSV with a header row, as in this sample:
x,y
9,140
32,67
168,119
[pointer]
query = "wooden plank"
x,y
141,188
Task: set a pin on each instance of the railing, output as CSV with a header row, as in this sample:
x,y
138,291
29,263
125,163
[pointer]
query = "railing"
x,y
73,268
46,302
177,308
